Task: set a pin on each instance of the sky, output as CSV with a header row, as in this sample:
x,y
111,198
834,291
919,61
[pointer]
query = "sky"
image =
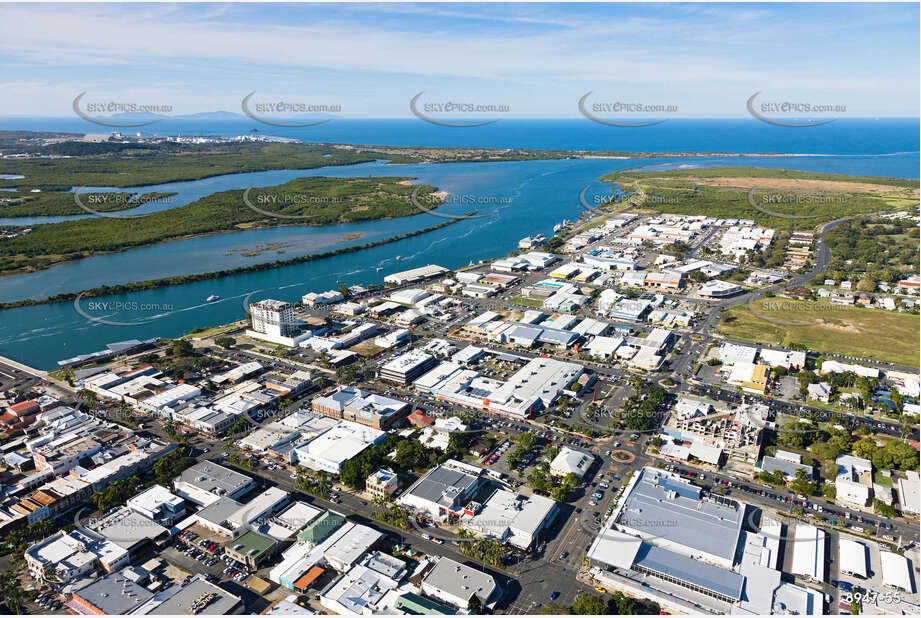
x,y
537,59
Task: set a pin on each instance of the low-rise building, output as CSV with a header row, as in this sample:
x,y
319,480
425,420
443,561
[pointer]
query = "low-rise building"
x,y
910,493
507,517
444,490
205,482
329,450
406,368
456,583
74,554
251,549
809,553
854,481
571,460
353,404
383,483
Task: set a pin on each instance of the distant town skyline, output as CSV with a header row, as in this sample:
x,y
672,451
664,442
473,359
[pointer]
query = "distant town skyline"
x,y
705,60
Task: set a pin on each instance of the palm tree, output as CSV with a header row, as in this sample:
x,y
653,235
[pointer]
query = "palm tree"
x,y
86,397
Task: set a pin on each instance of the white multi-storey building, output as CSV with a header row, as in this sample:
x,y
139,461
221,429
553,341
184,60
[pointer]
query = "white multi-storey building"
x,y
273,317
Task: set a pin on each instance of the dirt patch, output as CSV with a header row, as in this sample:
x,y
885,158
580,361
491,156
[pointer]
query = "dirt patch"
x,y
848,328
798,184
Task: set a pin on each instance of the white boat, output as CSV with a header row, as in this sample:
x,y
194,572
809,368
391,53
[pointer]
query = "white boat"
x,y
212,298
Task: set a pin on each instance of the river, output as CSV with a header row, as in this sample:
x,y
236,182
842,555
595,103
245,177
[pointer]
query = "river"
x,y
517,198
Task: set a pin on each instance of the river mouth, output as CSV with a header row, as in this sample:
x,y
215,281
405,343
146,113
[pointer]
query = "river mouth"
x,y
535,195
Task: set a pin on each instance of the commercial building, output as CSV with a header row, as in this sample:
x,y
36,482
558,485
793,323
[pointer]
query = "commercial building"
x,y
161,403
199,596
788,359
352,404
382,484
788,468
809,553
731,353
630,310
571,461
456,583
360,591
910,493
833,366
329,450
719,289
130,530
535,386
284,525
604,347
113,594
415,274
663,279
318,299
676,515
444,490
764,591
251,548
896,572
852,557
666,534
507,517
205,482
74,554
405,368
854,481
751,377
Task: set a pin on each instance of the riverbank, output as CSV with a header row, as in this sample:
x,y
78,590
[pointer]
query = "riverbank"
x,y
169,281
309,201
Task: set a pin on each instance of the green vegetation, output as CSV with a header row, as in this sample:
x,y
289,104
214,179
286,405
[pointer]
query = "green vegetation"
x,y
886,510
588,605
525,442
172,465
114,494
125,288
483,550
544,483
62,204
225,342
894,455
321,201
17,540
643,411
410,455
155,164
723,192
527,302
391,514
315,483
866,251
850,330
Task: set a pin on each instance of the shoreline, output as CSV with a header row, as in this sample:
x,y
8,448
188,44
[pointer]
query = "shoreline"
x,y
163,282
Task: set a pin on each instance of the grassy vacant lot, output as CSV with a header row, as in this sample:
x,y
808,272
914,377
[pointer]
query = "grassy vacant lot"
x,y
869,333
723,192
322,201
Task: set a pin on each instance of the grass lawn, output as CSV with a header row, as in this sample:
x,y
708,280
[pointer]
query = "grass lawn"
x,y
870,333
882,480
528,302
210,332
